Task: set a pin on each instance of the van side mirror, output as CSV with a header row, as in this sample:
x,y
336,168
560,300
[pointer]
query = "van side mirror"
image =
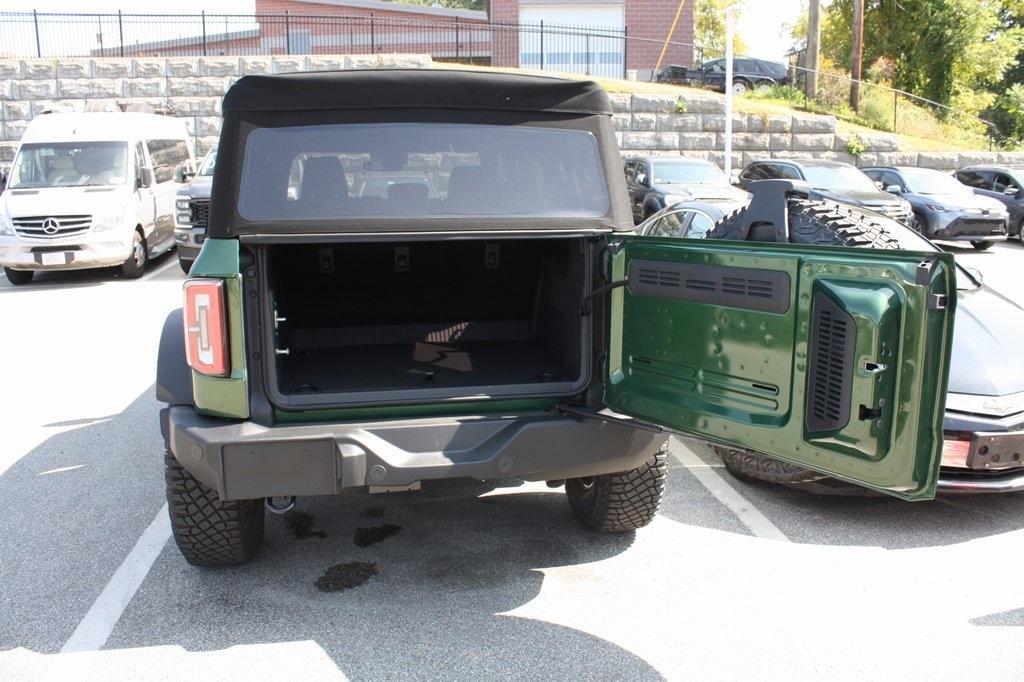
x,y
183,173
894,189
145,177
1011,191
3,180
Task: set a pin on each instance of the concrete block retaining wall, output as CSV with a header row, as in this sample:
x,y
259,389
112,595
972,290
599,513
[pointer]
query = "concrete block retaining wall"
x,y
645,124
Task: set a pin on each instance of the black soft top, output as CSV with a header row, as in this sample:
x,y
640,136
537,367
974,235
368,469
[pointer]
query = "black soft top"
x,y
415,89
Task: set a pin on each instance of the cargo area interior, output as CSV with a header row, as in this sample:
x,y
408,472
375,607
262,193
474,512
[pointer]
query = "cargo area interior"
x,y
455,317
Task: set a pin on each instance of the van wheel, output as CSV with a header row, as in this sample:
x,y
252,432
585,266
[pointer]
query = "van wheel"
x,y
136,263
617,503
207,530
981,245
810,222
186,265
19,277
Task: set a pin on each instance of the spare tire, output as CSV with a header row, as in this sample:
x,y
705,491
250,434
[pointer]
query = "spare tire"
x,y
810,222
814,222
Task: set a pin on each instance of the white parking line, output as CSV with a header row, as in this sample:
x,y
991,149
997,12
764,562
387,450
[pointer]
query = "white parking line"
x,y
95,628
748,515
169,263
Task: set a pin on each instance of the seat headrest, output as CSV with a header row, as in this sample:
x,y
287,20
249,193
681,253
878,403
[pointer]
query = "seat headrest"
x,y
407,192
323,181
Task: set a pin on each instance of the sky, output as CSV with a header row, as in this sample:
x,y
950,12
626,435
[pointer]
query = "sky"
x,y
761,22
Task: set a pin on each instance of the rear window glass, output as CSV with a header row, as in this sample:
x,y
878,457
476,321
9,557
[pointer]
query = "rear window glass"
x,y
322,172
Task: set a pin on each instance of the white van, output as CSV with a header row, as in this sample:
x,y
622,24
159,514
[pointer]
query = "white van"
x,y
92,190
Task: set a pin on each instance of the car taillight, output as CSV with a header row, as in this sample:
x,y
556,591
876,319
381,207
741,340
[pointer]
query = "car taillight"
x,y
206,337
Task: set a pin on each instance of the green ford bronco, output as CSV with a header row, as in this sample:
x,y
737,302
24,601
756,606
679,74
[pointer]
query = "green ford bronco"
x,y
415,275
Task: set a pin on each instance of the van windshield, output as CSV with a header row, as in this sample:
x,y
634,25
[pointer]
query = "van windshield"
x,y
70,164
323,172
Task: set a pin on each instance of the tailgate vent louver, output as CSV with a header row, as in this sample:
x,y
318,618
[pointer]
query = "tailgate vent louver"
x,y
830,376
747,288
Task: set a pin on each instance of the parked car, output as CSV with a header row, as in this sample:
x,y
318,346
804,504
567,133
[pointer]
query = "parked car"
x,y
656,182
831,180
983,427
192,210
747,74
944,208
91,190
330,341
1002,183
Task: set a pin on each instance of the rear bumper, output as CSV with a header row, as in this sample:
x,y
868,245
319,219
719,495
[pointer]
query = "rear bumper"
x,y
991,459
243,460
1009,482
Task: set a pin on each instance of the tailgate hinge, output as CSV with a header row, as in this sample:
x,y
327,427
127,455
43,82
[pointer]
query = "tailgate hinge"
x,y
925,270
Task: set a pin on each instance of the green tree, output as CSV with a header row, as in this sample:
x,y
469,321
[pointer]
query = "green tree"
x,y
709,28
453,4
949,51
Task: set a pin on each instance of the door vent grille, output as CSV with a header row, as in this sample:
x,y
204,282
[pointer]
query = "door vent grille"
x,y
830,378
747,288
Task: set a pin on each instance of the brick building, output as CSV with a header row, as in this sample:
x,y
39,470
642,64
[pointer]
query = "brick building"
x,y
596,37
645,24
372,26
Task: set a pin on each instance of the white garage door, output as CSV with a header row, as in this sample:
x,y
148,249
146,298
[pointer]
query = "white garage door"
x,y
576,38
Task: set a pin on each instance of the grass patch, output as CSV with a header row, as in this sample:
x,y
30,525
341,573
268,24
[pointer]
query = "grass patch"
x,y
918,129
879,110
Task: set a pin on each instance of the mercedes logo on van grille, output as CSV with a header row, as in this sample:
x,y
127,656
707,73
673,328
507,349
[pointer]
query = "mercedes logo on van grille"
x,y
51,226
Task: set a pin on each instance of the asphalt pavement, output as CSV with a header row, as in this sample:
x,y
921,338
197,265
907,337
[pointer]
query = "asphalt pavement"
x,y
733,580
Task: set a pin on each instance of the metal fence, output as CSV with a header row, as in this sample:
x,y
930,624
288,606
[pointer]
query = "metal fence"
x,y
576,49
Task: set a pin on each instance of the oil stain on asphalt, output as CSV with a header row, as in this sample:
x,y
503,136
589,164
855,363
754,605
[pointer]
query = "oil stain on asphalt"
x,y
346,576
301,526
364,537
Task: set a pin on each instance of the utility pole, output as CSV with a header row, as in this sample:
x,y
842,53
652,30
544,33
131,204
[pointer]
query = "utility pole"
x,y
857,53
812,61
730,18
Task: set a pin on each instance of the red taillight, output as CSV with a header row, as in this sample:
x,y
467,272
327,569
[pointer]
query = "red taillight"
x,y
206,337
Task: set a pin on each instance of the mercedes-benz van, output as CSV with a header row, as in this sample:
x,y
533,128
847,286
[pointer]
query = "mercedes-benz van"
x,y
91,190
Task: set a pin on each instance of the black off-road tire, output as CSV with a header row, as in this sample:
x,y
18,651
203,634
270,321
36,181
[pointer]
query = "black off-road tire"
x,y
810,222
19,277
619,503
747,466
815,222
981,244
207,530
135,266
